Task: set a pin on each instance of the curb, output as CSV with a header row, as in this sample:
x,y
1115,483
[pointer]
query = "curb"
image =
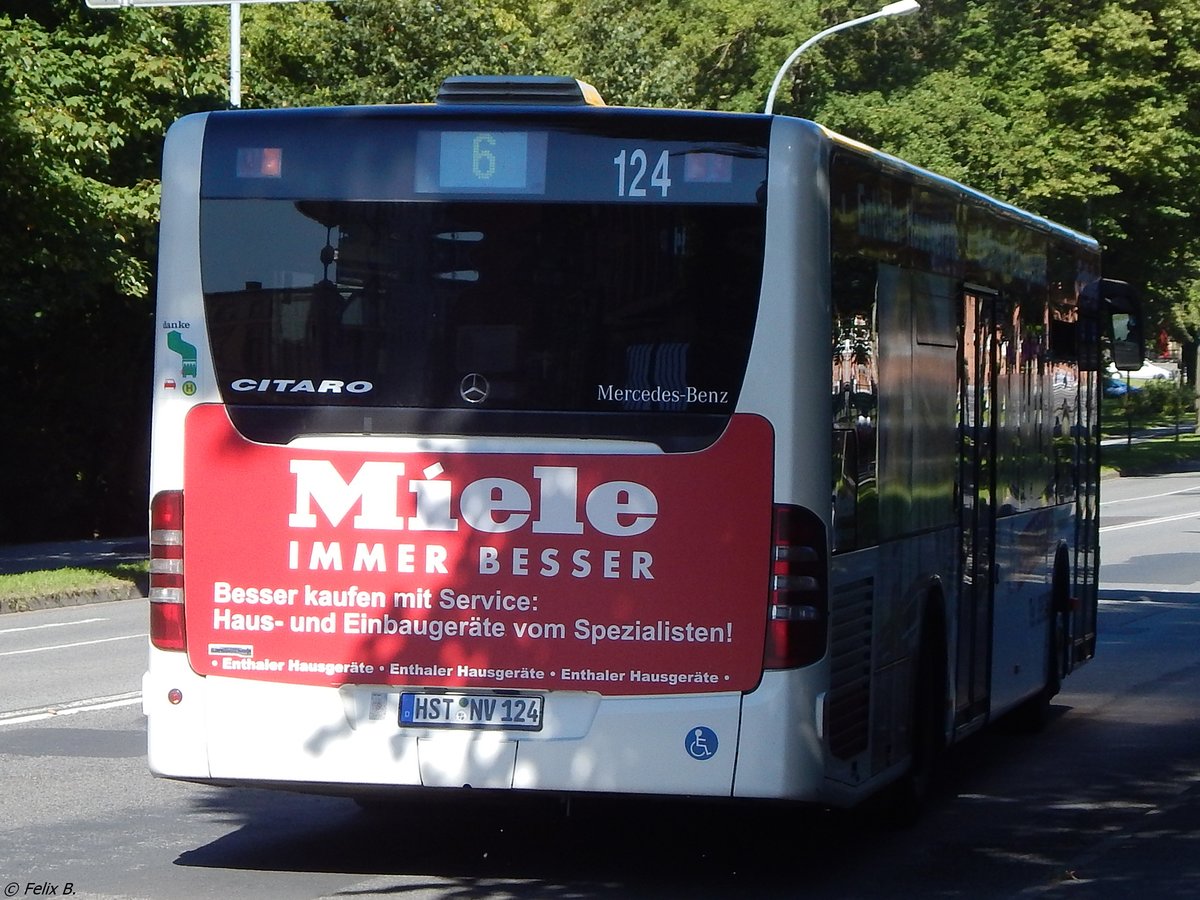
x,y
129,591
101,555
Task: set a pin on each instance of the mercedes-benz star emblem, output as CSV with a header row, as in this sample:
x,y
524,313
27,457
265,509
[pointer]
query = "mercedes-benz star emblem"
x,y
473,388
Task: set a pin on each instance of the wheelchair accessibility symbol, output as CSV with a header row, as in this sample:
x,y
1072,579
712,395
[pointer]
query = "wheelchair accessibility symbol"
x,y
701,742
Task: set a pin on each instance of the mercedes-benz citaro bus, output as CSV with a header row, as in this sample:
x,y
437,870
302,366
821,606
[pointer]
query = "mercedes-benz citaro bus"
x,y
523,443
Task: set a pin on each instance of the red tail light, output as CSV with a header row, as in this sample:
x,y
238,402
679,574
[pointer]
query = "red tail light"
x,y
798,616
166,571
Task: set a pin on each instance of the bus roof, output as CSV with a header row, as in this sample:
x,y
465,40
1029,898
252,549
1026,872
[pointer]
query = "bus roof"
x,y
558,98
949,184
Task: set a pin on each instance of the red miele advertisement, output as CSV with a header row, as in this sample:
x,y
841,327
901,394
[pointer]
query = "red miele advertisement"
x,y
628,574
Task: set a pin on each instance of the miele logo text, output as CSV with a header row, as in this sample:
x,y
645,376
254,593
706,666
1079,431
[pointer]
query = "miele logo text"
x,y
547,503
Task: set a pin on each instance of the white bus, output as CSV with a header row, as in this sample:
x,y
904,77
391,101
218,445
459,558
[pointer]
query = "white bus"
x,y
492,448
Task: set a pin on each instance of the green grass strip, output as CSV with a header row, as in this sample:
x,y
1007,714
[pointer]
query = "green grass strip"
x,y
65,582
1163,454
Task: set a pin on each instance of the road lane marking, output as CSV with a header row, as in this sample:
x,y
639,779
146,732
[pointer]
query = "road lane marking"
x,y
1188,490
93,704
1161,521
49,625
123,637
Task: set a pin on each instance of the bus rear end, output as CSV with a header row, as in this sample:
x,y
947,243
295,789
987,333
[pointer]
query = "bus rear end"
x,y
450,484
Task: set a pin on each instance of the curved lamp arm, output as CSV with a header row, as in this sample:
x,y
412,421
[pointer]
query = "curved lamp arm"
x,y
900,8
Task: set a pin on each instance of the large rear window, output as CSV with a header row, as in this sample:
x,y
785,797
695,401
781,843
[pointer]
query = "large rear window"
x,y
436,276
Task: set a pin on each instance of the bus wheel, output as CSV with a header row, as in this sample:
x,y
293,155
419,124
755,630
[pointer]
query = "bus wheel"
x,y
913,791
1034,714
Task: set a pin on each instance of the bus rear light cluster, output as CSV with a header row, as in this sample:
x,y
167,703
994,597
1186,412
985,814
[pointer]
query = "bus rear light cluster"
x,y
797,618
166,571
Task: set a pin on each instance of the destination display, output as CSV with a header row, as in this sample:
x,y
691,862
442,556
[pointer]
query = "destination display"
x,y
481,161
413,156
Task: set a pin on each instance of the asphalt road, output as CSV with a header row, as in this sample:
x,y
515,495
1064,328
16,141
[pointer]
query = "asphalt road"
x,y
97,554
1104,803
77,656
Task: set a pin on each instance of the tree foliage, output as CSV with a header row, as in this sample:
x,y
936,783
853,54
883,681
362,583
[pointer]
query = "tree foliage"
x,y
1084,112
83,107
1087,111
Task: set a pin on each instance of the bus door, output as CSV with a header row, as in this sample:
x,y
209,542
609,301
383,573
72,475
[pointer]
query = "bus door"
x,y
979,362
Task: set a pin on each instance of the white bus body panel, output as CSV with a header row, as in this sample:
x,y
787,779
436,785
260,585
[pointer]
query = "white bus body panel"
x,y
791,339
1025,546
176,733
237,730
781,753
178,385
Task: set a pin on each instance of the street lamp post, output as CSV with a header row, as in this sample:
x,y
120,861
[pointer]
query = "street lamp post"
x,y
900,8
235,54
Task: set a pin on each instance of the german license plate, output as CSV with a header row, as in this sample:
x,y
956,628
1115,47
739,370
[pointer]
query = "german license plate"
x,y
505,711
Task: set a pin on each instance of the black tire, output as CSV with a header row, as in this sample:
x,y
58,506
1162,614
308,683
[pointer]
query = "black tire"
x,y
1033,715
912,793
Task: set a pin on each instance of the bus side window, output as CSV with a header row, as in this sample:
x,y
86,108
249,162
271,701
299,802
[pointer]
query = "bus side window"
x,y
845,489
1123,324
1111,317
854,388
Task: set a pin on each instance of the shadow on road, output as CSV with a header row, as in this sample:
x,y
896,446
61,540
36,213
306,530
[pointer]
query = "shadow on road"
x,y
1015,812
508,846
1105,802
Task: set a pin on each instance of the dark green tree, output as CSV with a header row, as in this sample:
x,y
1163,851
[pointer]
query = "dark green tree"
x,y
1087,111
382,51
84,101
